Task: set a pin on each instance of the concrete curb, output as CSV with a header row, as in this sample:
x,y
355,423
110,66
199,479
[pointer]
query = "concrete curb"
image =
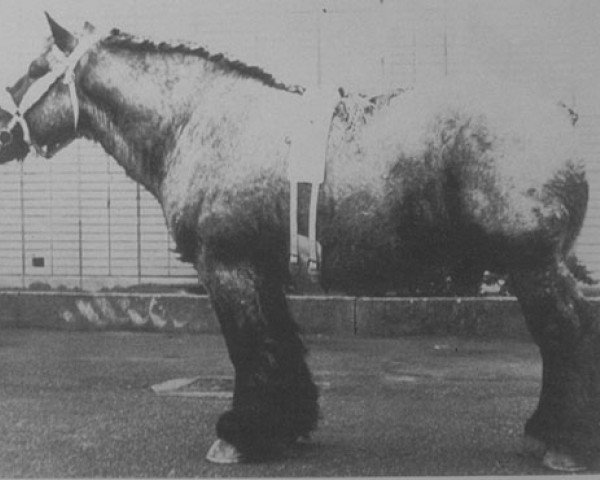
x,y
492,317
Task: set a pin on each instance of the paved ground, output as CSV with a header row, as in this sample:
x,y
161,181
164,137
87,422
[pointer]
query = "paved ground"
x,y
80,404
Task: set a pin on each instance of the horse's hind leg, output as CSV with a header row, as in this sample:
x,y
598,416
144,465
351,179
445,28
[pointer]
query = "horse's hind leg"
x,y
275,399
567,419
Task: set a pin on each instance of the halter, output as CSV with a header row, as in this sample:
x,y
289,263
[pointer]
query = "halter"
x,y
38,89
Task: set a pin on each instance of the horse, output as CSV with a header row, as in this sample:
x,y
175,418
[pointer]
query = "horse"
x,y
456,178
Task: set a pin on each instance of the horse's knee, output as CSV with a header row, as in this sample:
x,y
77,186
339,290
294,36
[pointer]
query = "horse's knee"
x,y
231,286
553,308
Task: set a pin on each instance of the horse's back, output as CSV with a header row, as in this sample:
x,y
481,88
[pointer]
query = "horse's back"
x,y
454,170
504,153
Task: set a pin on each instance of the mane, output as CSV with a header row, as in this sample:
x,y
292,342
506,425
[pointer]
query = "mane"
x,y
220,60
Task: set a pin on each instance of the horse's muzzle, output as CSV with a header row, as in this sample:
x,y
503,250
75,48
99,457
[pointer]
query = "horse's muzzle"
x,y
12,146
6,138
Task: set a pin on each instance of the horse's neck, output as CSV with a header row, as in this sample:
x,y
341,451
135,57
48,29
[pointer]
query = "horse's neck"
x,y
137,114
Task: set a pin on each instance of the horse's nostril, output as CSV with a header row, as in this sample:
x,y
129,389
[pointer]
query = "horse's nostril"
x,y
5,137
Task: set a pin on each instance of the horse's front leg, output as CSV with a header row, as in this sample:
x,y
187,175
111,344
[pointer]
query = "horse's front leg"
x,y
567,419
275,399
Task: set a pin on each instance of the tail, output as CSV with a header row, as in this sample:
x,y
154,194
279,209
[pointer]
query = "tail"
x,y
575,196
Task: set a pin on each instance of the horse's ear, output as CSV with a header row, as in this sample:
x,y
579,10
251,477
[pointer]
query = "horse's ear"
x,y
63,39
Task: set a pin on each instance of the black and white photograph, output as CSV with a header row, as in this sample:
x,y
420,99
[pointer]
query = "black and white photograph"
x,y
299,238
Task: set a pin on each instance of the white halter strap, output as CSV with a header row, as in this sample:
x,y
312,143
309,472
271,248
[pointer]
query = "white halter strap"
x,y
42,85
7,99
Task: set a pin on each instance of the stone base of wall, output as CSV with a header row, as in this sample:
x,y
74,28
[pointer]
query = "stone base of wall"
x,y
335,315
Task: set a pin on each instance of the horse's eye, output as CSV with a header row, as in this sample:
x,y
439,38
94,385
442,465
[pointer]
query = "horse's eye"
x,y
38,68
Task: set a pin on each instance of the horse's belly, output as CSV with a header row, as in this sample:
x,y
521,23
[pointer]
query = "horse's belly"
x,y
371,248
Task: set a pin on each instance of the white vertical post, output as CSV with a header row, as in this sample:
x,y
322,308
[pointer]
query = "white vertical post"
x,y
138,201
414,57
51,191
381,43
445,41
79,216
22,205
445,54
318,8
108,214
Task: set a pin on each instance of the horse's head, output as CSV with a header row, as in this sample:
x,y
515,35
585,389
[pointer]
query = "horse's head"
x,y
41,109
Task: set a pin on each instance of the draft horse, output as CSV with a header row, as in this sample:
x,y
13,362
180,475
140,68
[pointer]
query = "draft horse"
x,y
465,177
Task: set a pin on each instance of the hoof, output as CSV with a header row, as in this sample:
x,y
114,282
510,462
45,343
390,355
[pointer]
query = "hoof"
x,y
223,453
562,462
534,447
